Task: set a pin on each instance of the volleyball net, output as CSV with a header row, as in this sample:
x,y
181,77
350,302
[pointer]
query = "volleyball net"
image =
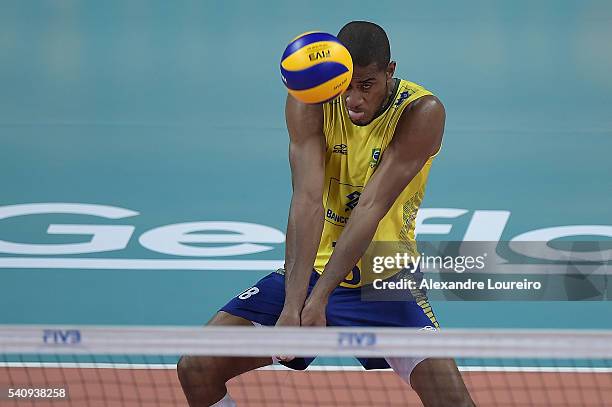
x,y
136,366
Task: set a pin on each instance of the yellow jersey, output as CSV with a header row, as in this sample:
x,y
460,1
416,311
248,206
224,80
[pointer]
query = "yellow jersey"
x,y
352,155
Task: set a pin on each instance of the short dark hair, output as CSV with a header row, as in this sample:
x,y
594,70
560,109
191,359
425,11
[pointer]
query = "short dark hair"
x,y
367,43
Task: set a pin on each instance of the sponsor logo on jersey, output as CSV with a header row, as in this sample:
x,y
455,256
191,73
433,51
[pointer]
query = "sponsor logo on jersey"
x,y
353,200
341,199
341,149
335,218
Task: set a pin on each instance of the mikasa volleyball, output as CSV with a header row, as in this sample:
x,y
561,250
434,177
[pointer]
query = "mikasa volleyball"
x,y
316,67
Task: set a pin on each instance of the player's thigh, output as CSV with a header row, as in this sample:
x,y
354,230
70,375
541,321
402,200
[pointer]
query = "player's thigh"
x,y
438,382
262,303
223,318
237,365
213,368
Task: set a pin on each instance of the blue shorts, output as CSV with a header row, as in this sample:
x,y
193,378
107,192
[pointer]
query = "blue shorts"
x,y
263,304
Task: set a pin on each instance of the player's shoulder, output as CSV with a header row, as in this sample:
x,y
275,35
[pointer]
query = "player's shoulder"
x,y
418,99
412,88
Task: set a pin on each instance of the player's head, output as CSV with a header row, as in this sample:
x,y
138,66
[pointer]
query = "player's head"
x,y
373,69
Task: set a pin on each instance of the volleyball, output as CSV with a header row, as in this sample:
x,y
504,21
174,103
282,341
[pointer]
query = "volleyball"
x,y
316,67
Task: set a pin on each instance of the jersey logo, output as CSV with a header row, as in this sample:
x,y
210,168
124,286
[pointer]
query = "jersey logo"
x,y
403,96
337,210
353,200
375,157
341,149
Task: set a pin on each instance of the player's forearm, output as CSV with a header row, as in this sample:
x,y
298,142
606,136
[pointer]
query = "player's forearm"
x,y
303,236
290,241
353,243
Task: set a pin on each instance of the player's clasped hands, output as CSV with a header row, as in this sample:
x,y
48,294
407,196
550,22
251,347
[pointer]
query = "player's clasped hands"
x,y
312,314
290,316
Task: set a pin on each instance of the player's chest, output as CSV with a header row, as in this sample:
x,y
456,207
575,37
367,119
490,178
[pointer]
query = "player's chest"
x,y
354,156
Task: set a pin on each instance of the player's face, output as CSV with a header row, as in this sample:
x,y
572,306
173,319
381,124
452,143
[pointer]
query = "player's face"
x,y
367,92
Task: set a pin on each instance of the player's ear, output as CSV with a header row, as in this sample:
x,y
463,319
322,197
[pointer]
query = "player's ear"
x,y
390,70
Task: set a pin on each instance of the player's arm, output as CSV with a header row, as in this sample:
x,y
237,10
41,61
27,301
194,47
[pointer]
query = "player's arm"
x,y
305,224
418,135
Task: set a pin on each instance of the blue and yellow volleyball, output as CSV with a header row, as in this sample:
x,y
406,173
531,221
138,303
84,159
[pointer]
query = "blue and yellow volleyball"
x,y
316,67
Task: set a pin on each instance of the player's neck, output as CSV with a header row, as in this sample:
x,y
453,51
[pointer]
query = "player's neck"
x,y
391,90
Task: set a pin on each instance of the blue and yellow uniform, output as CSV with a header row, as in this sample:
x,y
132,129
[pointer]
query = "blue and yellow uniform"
x,y
352,155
